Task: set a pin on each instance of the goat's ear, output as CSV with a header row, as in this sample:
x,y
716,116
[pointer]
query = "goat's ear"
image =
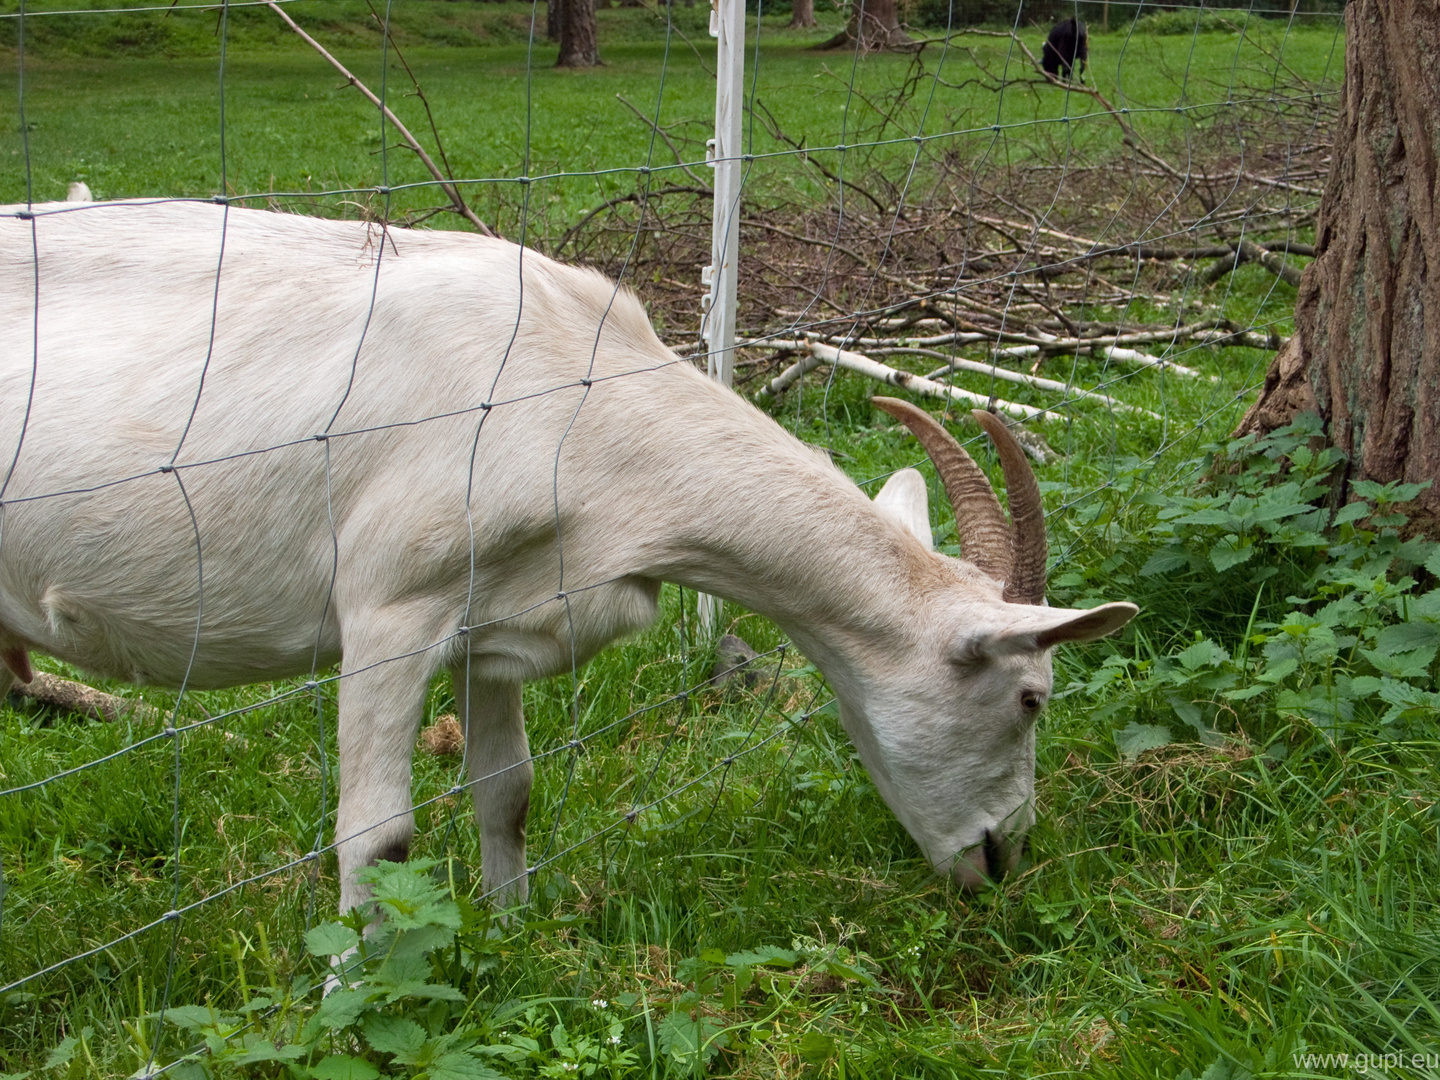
x,y
904,499
1088,625
1035,627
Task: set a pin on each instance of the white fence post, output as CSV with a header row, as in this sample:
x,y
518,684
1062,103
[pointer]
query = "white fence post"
x,y
717,323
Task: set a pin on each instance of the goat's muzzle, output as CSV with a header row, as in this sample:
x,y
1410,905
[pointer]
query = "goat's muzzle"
x,y
988,861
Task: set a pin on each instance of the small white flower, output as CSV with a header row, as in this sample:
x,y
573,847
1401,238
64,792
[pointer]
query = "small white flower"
x,y
569,1066
599,1003
614,1040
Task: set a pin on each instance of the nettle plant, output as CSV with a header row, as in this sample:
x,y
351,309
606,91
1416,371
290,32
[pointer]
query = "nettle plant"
x,y
410,1004
1333,616
417,999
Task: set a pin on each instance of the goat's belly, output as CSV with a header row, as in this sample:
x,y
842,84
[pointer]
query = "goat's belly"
x,y
166,636
120,585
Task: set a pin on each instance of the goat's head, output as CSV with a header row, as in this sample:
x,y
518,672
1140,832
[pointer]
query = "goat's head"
x,y
954,755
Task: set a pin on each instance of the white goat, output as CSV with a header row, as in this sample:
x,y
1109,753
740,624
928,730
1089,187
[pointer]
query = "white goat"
x,y
496,463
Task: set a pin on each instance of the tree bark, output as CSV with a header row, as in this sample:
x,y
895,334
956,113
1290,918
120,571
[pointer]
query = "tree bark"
x,y
1366,349
577,32
874,26
802,14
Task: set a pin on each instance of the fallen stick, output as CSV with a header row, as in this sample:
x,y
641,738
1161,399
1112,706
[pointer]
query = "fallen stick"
x,y
863,365
1250,339
791,375
796,371
1046,343
86,700
954,337
1071,391
1287,272
445,184
1140,359
1124,356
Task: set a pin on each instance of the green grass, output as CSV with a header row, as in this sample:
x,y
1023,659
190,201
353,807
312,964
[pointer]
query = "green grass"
x,y
151,126
1199,910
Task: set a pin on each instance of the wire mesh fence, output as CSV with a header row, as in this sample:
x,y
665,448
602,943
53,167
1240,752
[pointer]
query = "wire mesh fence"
x,y
1105,260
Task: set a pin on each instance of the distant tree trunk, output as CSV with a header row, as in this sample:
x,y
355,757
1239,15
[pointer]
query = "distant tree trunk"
x,y
874,25
578,45
1366,350
802,14
552,19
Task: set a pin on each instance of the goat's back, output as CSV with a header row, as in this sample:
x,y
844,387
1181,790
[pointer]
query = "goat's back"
x,y
303,392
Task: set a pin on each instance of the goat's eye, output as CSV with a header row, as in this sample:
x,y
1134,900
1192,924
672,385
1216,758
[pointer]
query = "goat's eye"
x,y
1031,700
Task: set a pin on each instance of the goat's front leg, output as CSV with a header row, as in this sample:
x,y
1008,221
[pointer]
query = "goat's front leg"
x,y
497,756
380,703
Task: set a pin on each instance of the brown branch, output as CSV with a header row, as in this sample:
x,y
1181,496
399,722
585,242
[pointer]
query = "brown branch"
x,y
430,116
634,196
828,245
445,184
679,158
1248,251
85,700
778,133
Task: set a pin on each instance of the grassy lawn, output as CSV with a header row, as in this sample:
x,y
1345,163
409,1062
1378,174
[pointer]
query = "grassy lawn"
x,y
1259,884
150,125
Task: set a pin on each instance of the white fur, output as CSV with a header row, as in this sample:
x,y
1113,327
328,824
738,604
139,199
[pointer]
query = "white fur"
x,y
904,498
651,473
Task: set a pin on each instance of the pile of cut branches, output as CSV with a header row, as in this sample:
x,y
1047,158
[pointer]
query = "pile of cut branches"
x,y
916,272
960,264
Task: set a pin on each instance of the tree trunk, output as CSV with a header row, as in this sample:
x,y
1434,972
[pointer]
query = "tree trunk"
x,y
874,25
578,45
552,19
1366,350
802,14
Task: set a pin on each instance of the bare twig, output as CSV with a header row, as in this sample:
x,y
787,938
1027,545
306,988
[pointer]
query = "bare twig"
x,y
618,200
663,16
430,116
679,158
778,133
445,184
829,245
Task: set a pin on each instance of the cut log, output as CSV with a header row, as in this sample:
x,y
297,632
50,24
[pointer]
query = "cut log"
x,y
85,700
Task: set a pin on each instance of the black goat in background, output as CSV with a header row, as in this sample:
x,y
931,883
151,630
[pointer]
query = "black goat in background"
x,y
1067,48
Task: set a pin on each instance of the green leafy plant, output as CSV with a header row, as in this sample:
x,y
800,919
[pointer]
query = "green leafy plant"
x,y
1339,630
390,1010
393,1008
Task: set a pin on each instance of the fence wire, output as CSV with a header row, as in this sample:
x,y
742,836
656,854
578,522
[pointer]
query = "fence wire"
x,y
869,244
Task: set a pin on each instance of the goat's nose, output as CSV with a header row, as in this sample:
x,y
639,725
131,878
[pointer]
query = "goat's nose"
x,y
988,861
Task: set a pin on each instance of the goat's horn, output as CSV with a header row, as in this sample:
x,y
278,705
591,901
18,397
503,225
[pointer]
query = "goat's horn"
x,y
1026,584
984,533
